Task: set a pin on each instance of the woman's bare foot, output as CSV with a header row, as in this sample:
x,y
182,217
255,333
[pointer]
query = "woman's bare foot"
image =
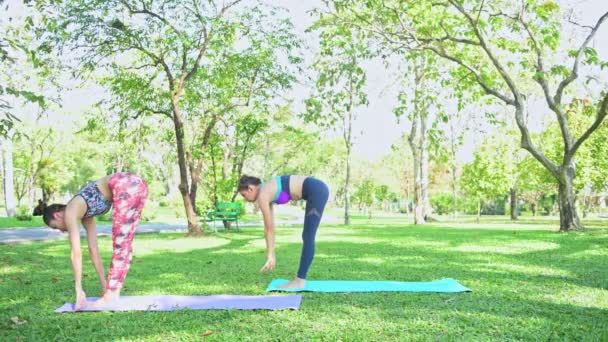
x,y
297,283
107,298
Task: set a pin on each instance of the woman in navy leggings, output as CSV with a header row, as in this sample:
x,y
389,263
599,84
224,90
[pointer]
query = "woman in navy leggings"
x,y
280,190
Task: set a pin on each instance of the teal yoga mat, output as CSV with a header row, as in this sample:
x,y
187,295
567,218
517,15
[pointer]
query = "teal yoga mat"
x,y
444,285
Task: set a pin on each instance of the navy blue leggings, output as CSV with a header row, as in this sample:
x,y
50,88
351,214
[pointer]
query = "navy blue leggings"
x,y
315,192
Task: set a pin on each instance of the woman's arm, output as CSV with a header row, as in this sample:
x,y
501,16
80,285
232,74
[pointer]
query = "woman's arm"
x,y
269,234
71,222
89,224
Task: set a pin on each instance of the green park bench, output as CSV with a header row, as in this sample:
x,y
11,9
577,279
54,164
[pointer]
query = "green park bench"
x,y
224,211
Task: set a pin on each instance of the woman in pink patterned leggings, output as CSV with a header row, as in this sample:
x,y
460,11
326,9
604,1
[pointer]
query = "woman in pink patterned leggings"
x,y
127,193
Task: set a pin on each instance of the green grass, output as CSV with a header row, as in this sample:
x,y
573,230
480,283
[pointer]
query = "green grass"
x,y
529,283
11,222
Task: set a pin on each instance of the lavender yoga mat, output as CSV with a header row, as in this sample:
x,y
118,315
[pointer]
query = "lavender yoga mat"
x,y
170,303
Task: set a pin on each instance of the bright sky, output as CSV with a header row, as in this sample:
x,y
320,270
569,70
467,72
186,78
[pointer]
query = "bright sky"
x,y
376,128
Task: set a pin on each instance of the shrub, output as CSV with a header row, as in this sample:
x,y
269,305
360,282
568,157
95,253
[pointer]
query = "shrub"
x,y
442,203
150,211
24,213
177,203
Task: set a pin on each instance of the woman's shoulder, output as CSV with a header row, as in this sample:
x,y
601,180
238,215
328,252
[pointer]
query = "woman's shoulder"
x,y
76,205
268,188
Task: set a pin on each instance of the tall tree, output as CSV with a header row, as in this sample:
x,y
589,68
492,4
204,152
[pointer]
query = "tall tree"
x,y
417,107
190,61
535,183
471,34
399,162
6,146
229,150
23,62
486,176
20,62
339,89
34,155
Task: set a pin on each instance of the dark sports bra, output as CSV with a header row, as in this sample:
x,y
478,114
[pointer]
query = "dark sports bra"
x,y
97,204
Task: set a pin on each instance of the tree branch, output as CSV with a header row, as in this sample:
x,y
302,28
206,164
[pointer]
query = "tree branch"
x,y
527,144
153,111
540,67
484,45
599,118
145,10
574,73
204,143
540,79
480,81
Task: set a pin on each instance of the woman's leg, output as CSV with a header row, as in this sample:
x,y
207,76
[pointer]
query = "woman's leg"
x,y
129,196
317,195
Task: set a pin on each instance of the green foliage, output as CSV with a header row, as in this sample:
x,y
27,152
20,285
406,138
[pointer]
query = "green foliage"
x,y
340,80
590,170
364,193
177,204
442,203
467,205
381,193
499,51
150,211
24,62
192,62
288,146
35,161
24,213
486,176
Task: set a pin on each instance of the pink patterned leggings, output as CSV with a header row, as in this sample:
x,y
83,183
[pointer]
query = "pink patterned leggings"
x,y
129,194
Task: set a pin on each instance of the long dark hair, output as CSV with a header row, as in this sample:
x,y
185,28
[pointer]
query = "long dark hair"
x,y
47,211
246,181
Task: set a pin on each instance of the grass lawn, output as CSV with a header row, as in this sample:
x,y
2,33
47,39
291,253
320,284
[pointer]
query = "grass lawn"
x,y
528,282
11,222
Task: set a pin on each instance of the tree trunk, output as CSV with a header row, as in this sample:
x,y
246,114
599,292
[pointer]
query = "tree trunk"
x,y
453,169
31,190
346,192
193,191
533,206
9,186
454,193
347,134
478,209
422,209
193,225
513,195
418,194
226,175
585,200
419,146
424,173
568,218
46,195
